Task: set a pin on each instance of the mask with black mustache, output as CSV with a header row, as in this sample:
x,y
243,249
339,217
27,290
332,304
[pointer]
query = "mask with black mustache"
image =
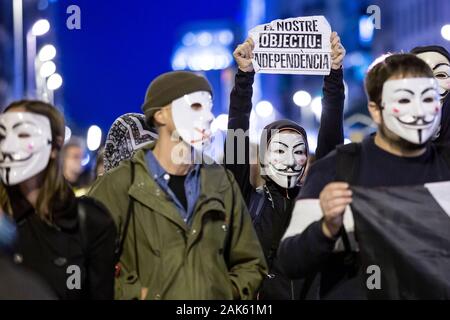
x,y
25,146
438,59
285,158
411,108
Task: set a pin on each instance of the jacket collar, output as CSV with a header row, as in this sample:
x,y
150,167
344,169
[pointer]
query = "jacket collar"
x,y
146,191
64,214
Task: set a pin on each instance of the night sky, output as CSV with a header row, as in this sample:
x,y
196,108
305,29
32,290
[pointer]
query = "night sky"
x,y
121,47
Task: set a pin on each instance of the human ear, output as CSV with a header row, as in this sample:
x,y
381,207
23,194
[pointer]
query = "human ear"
x,y
375,112
159,117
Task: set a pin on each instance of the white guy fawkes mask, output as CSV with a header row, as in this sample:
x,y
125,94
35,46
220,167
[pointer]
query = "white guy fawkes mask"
x,y
192,118
285,159
411,108
25,145
441,70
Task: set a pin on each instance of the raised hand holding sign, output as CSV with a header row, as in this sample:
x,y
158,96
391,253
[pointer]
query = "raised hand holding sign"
x,y
293,46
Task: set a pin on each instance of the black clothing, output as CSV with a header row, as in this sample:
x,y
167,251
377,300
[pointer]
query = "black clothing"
x,y
176,184
19,284
271,207
73,239
379,168
311,253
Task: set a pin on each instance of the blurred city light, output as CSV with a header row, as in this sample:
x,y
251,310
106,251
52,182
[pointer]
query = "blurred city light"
x,y
226,37
445,32
47,69
312,140
40,27
203,59
302,98
189,39
316,107
264,109
54,81
94,137
220,123
204,50
47,52
67,134
366,29
204,39
85,160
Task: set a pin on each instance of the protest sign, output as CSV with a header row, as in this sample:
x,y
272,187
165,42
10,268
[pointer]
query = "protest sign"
x,y
293,46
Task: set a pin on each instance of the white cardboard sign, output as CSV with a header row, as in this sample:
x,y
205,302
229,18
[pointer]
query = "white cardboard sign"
x,y
293,46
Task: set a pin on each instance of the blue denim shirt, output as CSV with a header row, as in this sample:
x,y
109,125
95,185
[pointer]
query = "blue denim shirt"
x,y
191,185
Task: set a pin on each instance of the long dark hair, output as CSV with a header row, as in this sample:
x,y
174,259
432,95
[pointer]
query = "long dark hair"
x,y
54,189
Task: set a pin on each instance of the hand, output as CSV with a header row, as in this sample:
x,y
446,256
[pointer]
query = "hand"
x,y
244,54
334,198
337,51
144,292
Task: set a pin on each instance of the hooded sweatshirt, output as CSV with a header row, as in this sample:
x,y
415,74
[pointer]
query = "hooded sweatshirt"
x,y
444,132
271,205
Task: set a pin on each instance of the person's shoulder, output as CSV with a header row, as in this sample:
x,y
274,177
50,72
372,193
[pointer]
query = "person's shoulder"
x,y
321,173
92,204
326,164
216,172
218,178
442,150
96,214
113,179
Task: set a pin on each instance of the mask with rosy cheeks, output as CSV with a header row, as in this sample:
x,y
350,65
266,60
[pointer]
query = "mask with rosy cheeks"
x,y
285,159
411,108
25,146
192,118
441,70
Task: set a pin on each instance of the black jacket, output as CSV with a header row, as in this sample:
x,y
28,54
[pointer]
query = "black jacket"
x,y
18,284
57,251
271,207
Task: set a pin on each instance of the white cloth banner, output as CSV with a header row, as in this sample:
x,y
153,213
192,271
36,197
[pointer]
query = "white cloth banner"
x,y
293,46
307,211
441,193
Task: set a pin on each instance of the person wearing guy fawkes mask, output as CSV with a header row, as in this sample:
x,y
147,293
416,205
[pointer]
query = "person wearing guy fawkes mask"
x,y
283,156
403,100
53,227
438,59
185,228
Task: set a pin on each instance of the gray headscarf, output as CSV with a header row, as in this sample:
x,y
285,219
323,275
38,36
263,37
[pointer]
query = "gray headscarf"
x,y
127,134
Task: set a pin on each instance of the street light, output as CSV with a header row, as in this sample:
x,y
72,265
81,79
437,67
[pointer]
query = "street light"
x,y
302,98
264,109
47,52
316,107
54,81
445,32
94,137
40,27
47,69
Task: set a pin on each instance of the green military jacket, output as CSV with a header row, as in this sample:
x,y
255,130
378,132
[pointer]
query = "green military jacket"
x,y
173,260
